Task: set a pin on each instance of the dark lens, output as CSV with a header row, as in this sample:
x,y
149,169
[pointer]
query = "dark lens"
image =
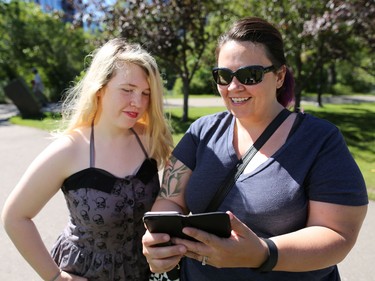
x,y
250,75
222,76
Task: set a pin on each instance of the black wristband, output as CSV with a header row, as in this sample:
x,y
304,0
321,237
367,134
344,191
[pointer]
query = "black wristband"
x,y
271,261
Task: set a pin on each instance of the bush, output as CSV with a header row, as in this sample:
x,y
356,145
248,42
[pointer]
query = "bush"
x,y
341,89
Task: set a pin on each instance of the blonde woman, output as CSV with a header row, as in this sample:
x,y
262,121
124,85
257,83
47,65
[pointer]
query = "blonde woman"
x,y
106,164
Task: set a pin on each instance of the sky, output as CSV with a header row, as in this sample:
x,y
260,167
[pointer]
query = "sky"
x,y
55,4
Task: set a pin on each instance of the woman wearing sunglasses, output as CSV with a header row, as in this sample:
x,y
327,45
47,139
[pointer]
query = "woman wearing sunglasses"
x,y
297,208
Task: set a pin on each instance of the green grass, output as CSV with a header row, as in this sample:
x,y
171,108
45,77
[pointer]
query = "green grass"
x,y
179,128
49,123
356,122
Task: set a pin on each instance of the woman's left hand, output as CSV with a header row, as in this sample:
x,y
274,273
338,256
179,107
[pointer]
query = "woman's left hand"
x,y
242,249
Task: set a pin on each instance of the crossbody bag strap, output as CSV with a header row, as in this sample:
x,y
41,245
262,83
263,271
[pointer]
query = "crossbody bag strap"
x,y
224,189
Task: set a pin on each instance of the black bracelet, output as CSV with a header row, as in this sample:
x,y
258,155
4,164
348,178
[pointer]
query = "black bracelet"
x,y
271,261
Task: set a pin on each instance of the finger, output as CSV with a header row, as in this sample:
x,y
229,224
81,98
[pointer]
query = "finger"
x,y
72,276
193,255
164,265
153,239
239,229
159,246
203,259
185,242
199,235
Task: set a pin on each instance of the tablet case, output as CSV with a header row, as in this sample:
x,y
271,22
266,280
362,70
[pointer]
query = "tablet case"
x,y
217,223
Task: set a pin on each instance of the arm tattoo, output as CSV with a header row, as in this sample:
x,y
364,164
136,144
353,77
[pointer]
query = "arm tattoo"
x,y
172,178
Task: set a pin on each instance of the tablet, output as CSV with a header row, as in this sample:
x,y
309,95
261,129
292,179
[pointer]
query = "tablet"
x,y
217,223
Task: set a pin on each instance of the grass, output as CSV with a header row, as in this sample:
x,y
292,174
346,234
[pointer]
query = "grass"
x,y
50,122
179,128
356,122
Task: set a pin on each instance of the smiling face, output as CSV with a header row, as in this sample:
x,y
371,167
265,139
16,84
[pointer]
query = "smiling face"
x,y
126,97
249,102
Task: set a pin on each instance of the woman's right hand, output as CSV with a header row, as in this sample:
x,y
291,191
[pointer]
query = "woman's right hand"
x,y
161,255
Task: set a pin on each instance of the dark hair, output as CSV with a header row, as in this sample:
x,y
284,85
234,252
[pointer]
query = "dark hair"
x,y
260,31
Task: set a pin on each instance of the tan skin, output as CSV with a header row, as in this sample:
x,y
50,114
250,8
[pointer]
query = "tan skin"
x,y
331,230
121,103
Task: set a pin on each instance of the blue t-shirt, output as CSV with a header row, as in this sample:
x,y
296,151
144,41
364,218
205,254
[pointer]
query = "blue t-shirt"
x,y
313,164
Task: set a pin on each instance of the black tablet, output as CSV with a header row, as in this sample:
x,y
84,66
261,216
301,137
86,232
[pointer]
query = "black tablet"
x,y
217,223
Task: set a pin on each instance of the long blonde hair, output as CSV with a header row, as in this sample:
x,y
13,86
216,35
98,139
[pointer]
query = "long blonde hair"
x,y
81,104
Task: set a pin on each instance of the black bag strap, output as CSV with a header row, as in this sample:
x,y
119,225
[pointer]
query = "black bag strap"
x,y
224,189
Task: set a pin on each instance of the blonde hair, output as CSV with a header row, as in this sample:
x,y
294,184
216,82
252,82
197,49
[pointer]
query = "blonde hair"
x,y
81,104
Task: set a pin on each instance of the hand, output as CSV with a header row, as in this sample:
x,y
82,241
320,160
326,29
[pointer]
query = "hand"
x,y
242,249
161,258
65,276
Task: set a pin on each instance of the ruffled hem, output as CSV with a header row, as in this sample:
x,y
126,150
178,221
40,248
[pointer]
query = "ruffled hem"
x,y
104,265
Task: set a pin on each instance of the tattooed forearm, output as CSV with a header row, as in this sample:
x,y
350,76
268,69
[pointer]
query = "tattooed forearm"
x,y
172,178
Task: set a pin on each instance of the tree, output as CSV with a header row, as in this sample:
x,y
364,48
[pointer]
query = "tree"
x,y
173,31
318,34
31,38
182,34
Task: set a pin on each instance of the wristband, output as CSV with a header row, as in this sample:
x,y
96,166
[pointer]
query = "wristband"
x,y
57,275
271,260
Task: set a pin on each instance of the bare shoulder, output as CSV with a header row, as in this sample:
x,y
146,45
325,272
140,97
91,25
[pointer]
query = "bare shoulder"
x,y
68,144
68,152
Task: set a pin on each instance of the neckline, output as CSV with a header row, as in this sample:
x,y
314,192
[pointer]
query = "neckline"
x,y
92,146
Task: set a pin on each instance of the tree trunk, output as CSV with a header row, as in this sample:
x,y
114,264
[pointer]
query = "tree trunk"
x,y
320,86
185,91
297,97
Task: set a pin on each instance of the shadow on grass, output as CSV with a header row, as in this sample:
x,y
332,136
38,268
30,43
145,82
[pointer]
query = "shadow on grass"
x,y
178,126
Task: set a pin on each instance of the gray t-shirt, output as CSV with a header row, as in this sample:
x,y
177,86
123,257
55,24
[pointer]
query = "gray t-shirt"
x,y
313,164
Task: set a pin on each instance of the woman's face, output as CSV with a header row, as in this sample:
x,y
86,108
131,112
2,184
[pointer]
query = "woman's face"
x,y
249,101
126,97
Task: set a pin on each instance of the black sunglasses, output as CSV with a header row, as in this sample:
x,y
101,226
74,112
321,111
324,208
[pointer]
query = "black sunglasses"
x,y
247,75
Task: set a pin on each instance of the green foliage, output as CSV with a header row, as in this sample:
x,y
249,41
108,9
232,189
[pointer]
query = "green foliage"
x,y
202,82
340,89
32,38
175,32
177,88
357,78
319,35
199,85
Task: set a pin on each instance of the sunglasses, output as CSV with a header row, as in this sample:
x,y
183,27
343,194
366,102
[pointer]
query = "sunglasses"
x,y
247,75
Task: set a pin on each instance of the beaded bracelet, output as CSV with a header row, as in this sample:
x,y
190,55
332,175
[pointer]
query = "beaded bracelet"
x,y
57,275
271,260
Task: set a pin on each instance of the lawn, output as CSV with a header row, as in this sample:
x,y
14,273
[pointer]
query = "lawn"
x,y
356,122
